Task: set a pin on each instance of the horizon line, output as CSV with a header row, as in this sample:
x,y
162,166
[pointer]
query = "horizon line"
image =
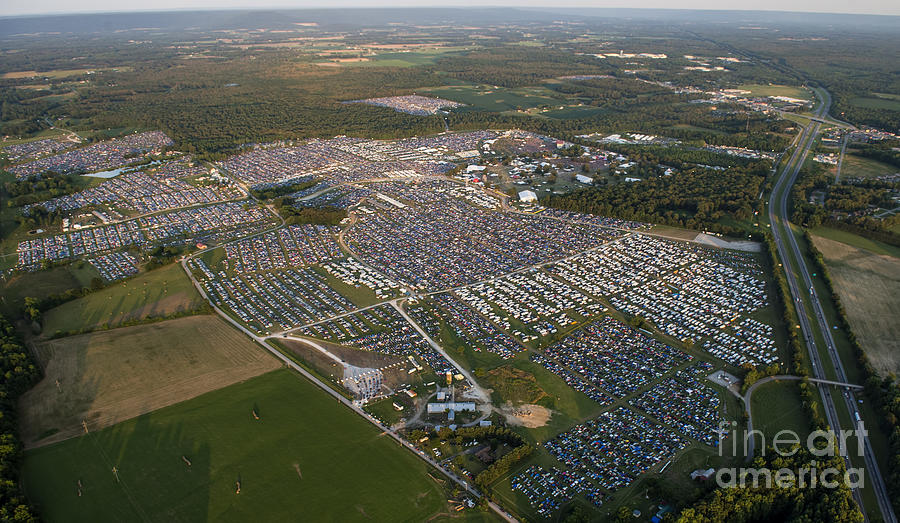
x,y
547,10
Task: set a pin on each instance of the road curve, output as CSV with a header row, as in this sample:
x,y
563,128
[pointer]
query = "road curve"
x,y
751,444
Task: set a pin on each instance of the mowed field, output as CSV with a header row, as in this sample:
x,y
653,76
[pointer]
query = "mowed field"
x,y
157,293
488,98
869,287
858,167
776,406
305,459
111,376
778,90
55,73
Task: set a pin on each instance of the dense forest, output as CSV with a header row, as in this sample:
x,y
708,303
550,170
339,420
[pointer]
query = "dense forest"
x,y
517,66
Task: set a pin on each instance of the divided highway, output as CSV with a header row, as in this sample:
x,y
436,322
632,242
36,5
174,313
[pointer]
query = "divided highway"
x,y
805,299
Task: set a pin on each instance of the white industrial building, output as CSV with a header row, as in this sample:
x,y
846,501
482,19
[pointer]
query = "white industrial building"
x,y
528,196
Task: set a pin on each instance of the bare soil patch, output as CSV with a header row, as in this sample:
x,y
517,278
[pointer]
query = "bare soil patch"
x,y
106,377
528,416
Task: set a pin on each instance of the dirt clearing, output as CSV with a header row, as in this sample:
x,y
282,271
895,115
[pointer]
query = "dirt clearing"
x,y
106,377
528,416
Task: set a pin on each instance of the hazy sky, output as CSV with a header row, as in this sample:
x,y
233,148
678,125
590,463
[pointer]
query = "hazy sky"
x,y
20,7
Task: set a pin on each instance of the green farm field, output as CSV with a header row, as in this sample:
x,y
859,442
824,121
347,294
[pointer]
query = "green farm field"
x,y
305,458
855,240
776,406
155,294
43,284
869,287
883,102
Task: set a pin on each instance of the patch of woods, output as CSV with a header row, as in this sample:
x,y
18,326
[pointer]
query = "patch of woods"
x,y
39,188
678,157
695,199
163,255
843,204
21,109
19,374
294,215
513,66
274,191
746,504
500,467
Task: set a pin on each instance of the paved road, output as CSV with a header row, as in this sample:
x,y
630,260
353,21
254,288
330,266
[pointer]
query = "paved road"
x,y
837,175
751,445
794,263
481,393
341,399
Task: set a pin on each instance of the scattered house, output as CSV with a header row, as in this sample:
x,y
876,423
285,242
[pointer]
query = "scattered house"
x,y
584,179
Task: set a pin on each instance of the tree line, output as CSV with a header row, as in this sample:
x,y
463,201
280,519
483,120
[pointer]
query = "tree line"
x,y
19,374
883,392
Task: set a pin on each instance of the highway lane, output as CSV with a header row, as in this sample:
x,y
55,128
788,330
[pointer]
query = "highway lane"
x,y
868,455
778,218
